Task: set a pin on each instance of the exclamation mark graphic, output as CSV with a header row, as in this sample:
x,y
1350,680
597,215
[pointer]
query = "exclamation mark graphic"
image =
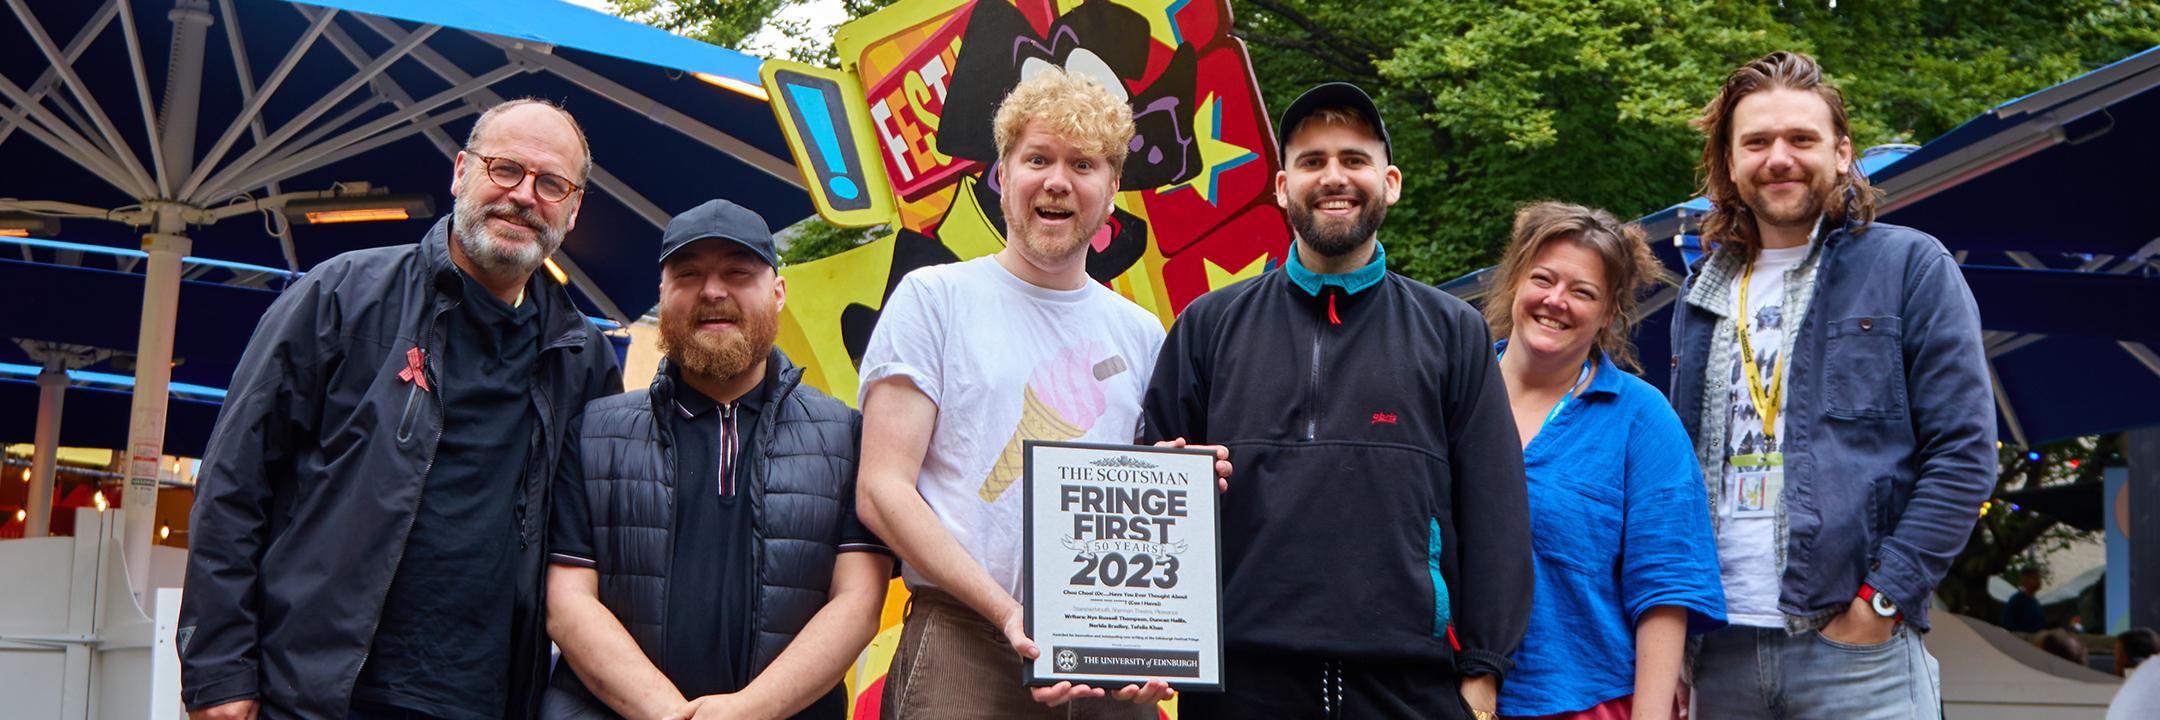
x,y
815,114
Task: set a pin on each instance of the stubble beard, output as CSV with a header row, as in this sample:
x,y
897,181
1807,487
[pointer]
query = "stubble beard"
x,y
1022,228
1809,208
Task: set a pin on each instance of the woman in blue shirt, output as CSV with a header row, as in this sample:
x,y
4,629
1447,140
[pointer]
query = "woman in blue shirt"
x,y
1626,566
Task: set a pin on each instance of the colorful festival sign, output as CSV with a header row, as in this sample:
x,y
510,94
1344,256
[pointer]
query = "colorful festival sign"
x,y
900,138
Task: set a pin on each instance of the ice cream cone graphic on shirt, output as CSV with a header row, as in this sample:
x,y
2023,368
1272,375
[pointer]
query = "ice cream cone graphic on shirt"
x,y
1062,401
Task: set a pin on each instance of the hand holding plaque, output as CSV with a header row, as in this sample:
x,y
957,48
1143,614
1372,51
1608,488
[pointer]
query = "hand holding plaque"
x,y
1122,579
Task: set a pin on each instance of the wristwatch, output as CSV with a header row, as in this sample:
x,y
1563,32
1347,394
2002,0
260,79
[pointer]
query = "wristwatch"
x,y
1484,714
1879,601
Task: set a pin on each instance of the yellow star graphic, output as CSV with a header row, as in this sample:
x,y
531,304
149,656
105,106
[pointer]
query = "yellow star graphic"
x,y
1218,277
1216,156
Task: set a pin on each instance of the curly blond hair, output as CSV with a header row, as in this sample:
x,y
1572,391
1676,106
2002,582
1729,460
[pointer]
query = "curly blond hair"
x,y
1070,106
1630,269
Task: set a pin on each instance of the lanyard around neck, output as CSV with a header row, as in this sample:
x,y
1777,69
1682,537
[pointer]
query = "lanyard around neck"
x,y
1580,378
1767,400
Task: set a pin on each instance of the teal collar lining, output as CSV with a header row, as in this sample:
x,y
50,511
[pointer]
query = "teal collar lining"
x,y
1351,282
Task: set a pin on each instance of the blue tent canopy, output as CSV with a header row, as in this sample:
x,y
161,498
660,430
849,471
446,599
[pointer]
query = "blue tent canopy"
x,y
299,98
663,138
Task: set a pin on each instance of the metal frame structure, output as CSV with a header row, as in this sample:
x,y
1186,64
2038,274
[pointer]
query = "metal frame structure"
x,y
178,188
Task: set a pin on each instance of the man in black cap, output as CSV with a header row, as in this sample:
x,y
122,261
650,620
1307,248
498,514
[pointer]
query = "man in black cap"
x,y
706,558
1378,548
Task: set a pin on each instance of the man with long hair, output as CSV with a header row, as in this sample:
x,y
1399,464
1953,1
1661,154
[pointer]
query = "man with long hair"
x,y
1830,370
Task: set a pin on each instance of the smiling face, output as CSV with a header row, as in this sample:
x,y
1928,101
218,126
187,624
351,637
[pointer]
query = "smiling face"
x,y
1786,156
1336,185
507,232
1561,303
1054,196
719,308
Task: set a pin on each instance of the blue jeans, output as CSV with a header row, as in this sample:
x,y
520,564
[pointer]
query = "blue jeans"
x,y
1749,672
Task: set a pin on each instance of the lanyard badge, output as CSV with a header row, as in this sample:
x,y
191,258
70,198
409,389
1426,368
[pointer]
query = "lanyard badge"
x,y
1759,476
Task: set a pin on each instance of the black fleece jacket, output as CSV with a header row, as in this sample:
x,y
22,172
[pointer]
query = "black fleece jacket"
x,y
1378,510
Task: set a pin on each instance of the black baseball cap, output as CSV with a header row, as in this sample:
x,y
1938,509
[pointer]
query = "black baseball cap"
x,y
1330,95
719,219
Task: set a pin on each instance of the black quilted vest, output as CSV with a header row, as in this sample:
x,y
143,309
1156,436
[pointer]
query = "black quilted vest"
x,y
801,480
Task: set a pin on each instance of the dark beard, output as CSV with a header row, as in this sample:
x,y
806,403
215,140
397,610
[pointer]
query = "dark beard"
x,y
1336,244
722,357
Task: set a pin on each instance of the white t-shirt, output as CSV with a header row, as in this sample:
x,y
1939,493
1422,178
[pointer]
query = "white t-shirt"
x,y
2139,698
1007,361
1747,509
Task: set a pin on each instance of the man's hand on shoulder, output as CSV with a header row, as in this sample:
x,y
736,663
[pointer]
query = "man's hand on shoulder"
x,y
235,710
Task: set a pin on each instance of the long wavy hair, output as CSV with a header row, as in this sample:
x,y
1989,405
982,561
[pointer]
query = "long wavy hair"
x,y
1730,221
1630,269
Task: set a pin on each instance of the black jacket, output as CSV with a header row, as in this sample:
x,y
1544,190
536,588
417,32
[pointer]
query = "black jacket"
x,y
1378,503
802,495
312,479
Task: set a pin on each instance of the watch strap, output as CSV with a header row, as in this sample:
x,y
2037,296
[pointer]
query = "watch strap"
x,y
1880,602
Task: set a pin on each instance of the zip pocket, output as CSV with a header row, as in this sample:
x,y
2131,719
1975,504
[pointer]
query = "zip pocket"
x,y
412,409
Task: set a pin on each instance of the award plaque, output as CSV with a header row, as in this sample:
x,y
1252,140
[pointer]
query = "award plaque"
x,y
1122,579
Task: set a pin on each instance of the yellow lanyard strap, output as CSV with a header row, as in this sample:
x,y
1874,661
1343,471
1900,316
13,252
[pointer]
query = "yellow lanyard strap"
x,y
1768,401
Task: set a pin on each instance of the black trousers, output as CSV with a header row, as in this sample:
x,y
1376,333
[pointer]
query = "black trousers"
x,y
1290,687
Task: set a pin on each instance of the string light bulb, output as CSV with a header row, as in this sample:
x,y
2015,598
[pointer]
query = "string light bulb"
x,y
100,501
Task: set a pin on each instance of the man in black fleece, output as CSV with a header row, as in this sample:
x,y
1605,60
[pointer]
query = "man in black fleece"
x,y
1376,547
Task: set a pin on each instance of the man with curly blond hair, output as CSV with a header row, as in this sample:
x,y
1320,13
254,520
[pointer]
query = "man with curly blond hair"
x,y
970,359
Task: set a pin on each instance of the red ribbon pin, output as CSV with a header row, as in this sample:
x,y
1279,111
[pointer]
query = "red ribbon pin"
x,y
415,371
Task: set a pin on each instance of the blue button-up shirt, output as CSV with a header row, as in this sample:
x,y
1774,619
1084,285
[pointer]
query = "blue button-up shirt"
x,y
1620,524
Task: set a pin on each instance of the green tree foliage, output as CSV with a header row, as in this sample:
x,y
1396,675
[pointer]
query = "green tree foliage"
x,y
726,23
1493,104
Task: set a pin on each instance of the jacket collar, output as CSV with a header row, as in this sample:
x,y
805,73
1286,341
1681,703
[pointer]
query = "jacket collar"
x,y
781,377
1716,271
564,325
1351,282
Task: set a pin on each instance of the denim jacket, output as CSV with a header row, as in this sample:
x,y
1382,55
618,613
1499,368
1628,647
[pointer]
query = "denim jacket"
x,y
1889,418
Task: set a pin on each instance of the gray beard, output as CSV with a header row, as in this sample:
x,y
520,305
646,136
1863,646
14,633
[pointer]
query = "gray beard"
x,y
490,254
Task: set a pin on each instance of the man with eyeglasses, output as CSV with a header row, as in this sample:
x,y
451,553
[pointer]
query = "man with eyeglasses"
x,y
371,510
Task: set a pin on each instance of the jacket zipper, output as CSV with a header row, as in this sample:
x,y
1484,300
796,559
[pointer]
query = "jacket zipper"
x,y
427,368
1312,419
